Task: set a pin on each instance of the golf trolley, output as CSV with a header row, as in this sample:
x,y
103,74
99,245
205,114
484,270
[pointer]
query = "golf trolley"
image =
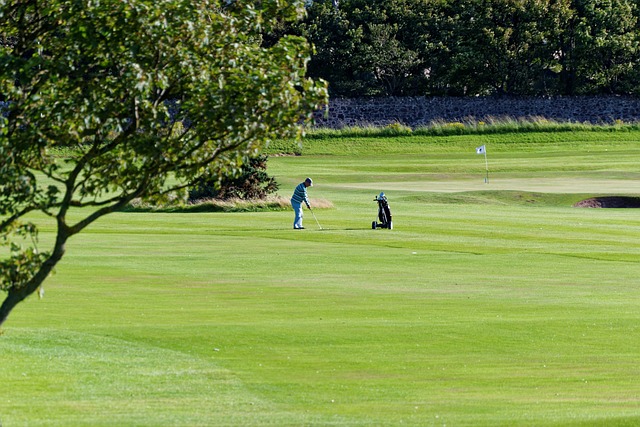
x,y
384,213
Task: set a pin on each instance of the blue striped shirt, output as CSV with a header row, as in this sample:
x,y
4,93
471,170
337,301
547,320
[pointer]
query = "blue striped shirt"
x,y
300,194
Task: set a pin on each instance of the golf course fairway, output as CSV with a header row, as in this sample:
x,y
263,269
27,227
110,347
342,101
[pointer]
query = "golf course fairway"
x,y
491,303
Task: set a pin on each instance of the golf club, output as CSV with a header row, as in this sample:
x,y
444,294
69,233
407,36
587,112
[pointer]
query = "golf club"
x,y
314,217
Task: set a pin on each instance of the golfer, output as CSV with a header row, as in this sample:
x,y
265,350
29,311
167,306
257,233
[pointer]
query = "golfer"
x,y
299,196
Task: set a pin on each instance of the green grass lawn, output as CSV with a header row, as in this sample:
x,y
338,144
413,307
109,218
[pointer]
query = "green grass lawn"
x,y
493,304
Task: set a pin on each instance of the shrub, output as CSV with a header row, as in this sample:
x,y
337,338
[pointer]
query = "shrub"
x,y
396,129
252,183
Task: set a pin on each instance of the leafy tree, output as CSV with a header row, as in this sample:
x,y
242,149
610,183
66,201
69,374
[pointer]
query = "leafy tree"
x,y
501,46
385,53
608,47
328,28
364,47
94,78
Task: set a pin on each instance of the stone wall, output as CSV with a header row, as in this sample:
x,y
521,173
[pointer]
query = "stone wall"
x,y
421,111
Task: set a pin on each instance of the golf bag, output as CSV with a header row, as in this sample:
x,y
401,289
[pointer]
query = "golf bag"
x,y
384,213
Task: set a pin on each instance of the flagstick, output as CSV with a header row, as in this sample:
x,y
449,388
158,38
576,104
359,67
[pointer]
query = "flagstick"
x,y
483,150
486,162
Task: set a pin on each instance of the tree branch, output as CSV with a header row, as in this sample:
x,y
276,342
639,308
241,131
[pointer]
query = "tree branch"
x,y
119,204
6,222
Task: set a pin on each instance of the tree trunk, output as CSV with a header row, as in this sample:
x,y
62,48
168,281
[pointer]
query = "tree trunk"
x,y
8,304
15,296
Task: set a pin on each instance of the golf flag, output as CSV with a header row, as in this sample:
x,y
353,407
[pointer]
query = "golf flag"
x,y
483,150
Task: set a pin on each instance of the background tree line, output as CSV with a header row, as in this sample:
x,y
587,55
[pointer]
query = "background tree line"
x,y
474,47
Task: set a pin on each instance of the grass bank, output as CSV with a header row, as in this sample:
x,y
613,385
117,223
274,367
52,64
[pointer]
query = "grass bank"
x,y
502,132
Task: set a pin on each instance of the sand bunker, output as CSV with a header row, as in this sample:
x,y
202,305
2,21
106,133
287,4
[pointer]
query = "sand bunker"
x,y
609,202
